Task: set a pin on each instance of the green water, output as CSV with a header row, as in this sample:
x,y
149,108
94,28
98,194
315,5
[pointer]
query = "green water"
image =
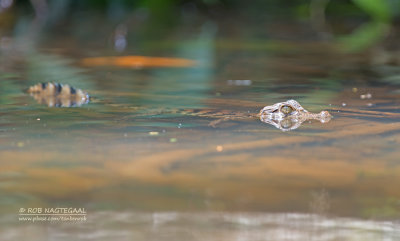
x,y
145,166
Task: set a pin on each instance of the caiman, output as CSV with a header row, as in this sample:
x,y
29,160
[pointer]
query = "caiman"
x,y
286,116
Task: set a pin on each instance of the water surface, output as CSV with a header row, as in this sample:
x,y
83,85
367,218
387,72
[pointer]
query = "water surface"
x,y
147,165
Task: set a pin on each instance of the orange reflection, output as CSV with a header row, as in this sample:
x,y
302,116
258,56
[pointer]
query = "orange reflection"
x,y
138,62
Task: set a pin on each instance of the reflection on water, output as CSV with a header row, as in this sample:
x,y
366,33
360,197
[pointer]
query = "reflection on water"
x,y
138,62
168,153
209,226
146,149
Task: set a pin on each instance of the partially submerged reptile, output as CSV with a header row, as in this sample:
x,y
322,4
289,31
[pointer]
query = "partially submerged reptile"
x,y
290,115
58,95
286,116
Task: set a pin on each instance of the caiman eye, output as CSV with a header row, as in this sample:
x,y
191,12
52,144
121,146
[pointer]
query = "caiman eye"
x,y
287,109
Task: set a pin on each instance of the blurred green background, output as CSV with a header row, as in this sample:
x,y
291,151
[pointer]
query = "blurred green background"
x,y
356,23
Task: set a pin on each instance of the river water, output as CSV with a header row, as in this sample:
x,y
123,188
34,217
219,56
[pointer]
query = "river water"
x,y
151,156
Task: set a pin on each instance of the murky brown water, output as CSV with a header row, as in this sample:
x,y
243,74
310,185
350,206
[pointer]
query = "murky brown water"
x,y
146,165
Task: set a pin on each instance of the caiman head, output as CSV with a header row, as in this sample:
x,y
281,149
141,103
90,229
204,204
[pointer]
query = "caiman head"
x,y
289,115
